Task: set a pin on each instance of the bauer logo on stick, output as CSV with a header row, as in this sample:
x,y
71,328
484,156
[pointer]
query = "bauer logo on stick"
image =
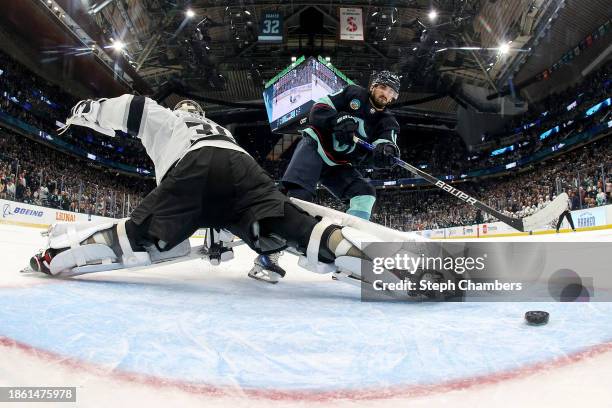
x,y
459,194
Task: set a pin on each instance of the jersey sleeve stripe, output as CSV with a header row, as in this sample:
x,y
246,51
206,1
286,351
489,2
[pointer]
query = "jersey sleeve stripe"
x,y
135,115
323,106
326,101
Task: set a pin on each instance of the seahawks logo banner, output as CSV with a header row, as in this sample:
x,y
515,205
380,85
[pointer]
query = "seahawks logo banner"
x,y
351,24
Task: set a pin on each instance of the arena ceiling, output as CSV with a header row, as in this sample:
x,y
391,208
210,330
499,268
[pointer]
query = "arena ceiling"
x,y
214,52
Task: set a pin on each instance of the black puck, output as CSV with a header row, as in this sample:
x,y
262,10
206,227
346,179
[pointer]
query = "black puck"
x,y
536,317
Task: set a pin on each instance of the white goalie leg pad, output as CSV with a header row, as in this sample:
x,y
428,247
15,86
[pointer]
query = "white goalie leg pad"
x,y
130,258
180,250
371,245
311,260
77,258
352,267
70,235
84,259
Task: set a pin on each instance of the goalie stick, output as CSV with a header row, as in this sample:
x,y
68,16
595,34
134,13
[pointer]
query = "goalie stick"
x,y
545,216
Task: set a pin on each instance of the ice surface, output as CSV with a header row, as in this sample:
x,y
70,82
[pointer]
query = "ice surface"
x,y
192,331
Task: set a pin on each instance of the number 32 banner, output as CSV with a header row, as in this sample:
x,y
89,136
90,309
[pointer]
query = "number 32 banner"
x,y
271,27
351,24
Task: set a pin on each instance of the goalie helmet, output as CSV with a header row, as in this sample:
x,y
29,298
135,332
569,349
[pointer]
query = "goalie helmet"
x,y
189,106
387,78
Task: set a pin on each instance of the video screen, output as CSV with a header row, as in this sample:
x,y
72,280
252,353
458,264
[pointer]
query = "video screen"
x,y
290,95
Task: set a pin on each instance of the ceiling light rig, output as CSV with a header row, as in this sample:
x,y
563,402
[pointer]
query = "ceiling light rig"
x,y
118,45
504,48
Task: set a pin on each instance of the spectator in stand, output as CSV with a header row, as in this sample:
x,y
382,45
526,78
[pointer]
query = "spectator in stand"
x,y
601,198
72,184
10,188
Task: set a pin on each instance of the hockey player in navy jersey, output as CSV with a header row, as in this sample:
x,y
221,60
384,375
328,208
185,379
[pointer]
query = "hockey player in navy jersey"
x,y
327,152
204,180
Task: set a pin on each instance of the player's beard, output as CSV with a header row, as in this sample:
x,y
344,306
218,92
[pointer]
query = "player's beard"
x,y
378,104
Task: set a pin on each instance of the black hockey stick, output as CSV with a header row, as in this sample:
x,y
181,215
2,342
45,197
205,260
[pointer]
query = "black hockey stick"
x,y
544,216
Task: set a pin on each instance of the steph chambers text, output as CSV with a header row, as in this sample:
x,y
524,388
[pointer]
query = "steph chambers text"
x,y
444,286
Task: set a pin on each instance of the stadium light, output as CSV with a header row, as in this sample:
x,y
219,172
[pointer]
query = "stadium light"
x,y
433,14
189,13
118,45
504,48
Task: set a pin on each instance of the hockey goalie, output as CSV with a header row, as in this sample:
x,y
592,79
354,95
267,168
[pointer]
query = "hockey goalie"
x,y
204,180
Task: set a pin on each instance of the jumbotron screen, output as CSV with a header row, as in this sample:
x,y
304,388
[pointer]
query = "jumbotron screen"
x,y
290,94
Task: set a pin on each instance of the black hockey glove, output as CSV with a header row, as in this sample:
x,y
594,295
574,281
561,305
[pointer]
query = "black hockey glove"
x,y
344,128
384,154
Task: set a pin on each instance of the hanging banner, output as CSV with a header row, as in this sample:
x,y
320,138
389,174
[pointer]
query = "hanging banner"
x,y
271,29
577,50
351,24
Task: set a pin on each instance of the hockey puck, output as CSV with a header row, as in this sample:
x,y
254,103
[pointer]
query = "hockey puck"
x,y
536,317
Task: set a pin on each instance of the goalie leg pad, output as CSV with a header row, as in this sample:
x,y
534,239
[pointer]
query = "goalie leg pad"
x,y
129,257
311,260
371,245
70,235
84,259
87,247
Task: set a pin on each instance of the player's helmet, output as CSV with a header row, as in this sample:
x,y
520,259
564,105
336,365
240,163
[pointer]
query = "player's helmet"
x,y
386,78
190,106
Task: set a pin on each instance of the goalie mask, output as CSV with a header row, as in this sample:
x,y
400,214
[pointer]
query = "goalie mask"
x,y
190,106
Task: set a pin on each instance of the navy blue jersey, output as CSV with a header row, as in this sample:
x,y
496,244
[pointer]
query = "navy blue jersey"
x,y
374,126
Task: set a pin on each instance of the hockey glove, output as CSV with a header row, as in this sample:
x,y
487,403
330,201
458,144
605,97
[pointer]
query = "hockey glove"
x,y
384,155
85,113
344,128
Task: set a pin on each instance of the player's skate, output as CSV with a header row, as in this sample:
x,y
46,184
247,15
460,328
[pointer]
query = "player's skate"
x,y
267,269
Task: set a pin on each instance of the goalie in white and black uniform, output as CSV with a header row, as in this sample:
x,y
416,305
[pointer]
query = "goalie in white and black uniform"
x,y
204,180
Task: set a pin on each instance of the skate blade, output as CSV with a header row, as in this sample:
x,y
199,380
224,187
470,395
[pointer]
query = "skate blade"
x,y
263,280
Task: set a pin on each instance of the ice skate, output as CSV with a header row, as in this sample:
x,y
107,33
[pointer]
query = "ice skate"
x,y
267,269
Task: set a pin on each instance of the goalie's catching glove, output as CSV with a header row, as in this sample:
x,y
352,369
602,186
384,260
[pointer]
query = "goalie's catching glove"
x,y
85,113
344,129
384,154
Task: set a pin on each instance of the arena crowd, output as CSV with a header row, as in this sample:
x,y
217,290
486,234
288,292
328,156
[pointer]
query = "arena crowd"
x,y
34,172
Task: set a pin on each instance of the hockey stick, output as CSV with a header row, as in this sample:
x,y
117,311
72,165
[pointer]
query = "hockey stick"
x,y
545,216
